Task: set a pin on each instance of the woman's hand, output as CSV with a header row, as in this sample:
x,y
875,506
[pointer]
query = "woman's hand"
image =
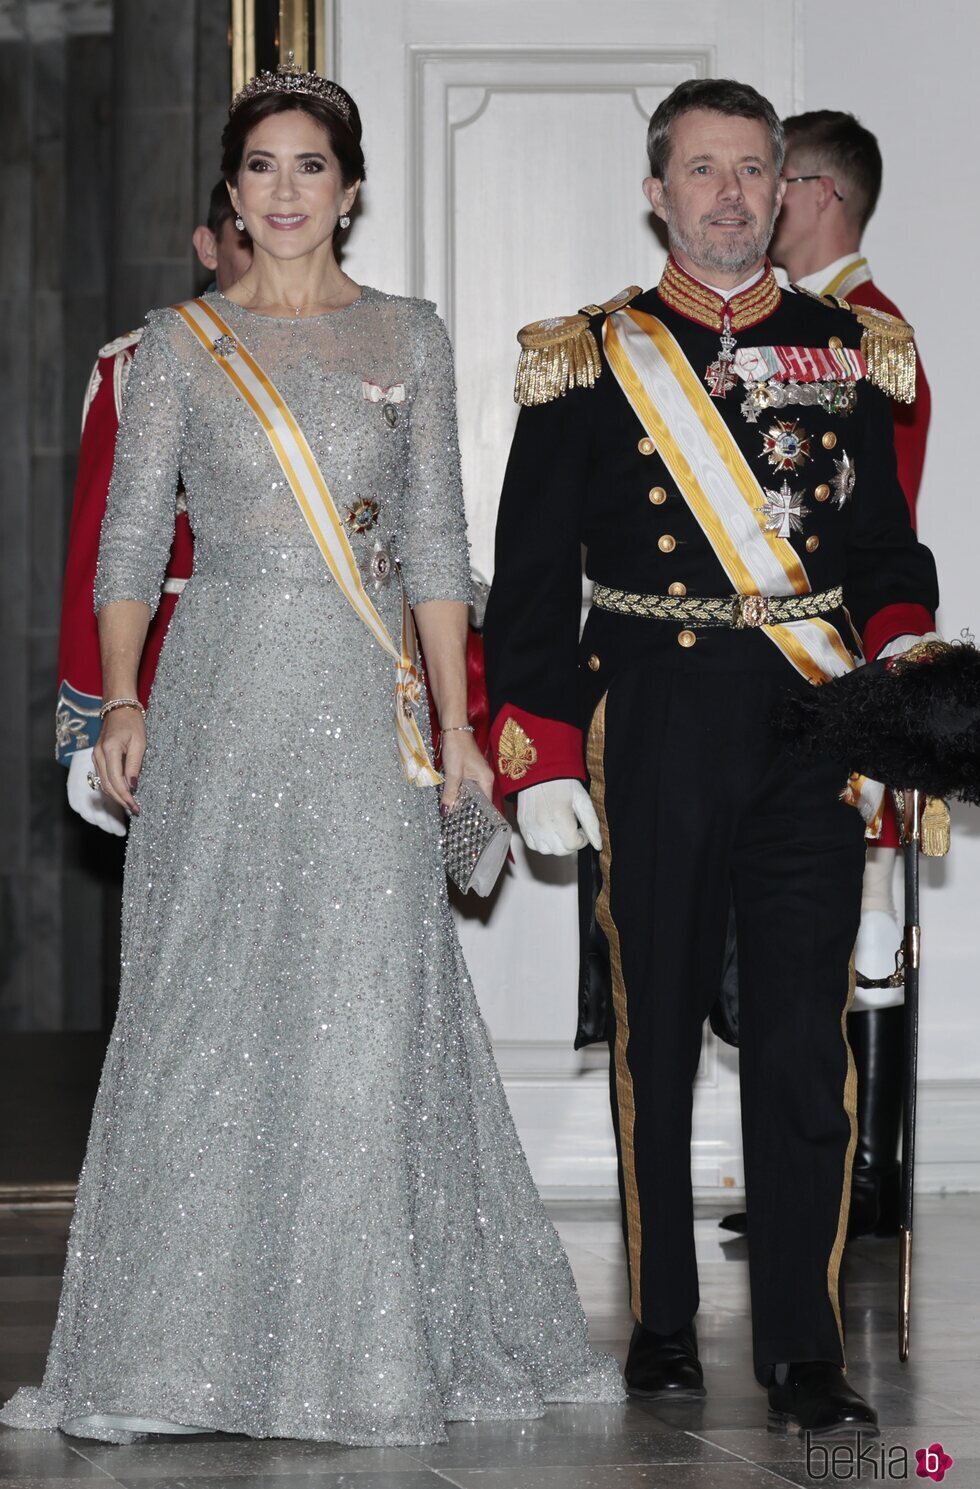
x,y
119,755
93,806
462,761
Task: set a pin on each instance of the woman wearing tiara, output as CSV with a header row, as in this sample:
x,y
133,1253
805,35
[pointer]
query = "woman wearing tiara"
x,y
304,1210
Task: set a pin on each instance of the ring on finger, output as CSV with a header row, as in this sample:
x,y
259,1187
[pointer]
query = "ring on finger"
x,y
94,780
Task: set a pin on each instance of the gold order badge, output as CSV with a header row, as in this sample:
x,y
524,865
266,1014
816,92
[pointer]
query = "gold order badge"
x,y
787,445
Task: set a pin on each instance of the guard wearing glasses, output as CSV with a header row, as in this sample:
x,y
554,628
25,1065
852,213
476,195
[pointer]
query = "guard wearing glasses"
x,y
833,173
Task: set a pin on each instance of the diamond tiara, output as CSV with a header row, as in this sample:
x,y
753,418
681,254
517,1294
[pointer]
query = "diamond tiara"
x,y
288,78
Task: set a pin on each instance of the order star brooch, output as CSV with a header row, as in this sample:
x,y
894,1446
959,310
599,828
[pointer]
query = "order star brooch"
x,y
787,445
844,478
362,516
784,511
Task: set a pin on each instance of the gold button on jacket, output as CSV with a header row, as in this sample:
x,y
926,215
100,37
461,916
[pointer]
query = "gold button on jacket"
x,y
666,544
686,638
677,588
829,440
646,445
822,492
658,496
835,343
812,544
594,663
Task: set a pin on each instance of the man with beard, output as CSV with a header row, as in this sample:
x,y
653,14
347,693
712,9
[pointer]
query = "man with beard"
x,y
723,451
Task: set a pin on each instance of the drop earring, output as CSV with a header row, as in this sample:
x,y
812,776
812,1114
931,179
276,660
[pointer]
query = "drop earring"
x,y
240,223
344,220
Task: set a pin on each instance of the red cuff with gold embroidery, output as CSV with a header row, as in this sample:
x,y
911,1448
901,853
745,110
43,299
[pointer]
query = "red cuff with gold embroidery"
x,y
526,749
895,620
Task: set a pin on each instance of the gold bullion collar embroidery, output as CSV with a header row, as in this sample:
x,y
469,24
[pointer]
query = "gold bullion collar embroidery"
x,y
705,306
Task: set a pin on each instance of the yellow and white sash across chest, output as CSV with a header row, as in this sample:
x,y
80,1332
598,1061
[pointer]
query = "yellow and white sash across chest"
x,y
717,483
306,481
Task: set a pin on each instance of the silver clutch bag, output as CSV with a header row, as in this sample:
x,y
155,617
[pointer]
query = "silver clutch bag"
x,y
475,840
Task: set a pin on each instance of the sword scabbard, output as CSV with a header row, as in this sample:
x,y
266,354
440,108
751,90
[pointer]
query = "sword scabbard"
x,y
904,1291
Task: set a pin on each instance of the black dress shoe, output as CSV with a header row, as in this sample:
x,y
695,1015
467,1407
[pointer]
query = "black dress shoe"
x,y
816,1398
665,1365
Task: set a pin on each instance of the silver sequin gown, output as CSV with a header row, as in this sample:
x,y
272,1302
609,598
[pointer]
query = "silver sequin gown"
x,y
304,1210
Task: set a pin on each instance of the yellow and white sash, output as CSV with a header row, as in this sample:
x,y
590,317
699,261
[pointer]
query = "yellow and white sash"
x,y
718,485
308,486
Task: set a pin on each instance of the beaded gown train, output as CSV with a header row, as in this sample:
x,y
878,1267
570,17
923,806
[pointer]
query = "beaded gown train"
x,y
304,1210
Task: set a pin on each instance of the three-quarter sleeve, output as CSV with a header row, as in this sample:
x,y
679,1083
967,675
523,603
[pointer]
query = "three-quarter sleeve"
x,y
433,548
138,527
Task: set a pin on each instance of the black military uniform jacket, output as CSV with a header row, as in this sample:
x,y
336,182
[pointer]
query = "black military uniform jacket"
x,y
583,473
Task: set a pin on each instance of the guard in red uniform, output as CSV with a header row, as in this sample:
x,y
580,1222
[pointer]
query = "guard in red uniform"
x,y
833,174
222,248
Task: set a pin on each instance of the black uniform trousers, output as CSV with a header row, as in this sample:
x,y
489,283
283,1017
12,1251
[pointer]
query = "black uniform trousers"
x,y
700,807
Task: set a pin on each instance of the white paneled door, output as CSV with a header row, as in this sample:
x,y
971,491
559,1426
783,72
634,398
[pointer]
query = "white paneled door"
x,y
505,145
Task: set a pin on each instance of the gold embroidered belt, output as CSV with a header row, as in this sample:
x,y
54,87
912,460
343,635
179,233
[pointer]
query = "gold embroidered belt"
x,y
736,611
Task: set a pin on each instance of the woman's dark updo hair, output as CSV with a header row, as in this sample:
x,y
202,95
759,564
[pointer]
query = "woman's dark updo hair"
x,y
344,137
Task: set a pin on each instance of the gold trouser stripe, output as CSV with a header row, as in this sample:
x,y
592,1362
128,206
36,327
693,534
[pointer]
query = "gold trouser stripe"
x,y
624,1080
850,1107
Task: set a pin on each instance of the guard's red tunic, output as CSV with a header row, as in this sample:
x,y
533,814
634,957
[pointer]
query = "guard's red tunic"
x,y
79,667
911,419
911,432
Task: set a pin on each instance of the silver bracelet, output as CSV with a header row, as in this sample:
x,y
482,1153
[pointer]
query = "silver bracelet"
x,y
121,703
458,729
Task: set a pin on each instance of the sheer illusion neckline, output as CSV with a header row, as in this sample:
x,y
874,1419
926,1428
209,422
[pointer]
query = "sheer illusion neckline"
x,y
366,293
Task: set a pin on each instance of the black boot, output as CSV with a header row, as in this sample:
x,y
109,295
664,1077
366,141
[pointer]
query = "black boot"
x,y
664,1364
816,1398
877,1038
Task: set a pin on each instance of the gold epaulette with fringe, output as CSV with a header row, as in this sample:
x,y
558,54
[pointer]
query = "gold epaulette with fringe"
x,y
561,353
887,345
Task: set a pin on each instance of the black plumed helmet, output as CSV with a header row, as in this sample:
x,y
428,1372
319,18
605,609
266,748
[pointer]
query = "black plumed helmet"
x,y
912,722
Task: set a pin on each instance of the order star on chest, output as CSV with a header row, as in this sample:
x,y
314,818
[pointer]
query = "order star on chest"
x,y
786,444
844,478
783,511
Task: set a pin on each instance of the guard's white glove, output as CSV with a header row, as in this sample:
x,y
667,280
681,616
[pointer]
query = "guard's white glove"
x,y
902,644
557,817
96,808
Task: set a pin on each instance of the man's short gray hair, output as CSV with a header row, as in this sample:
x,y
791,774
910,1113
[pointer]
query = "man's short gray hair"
x,y
719,96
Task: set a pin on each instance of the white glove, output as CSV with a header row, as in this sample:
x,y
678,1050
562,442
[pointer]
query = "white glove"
x,y
100,810
557,817
902,644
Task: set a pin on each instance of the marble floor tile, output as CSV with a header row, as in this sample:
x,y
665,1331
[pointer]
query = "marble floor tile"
x,y
470,1448
718,1443
385,1478
672,1476
43,1455
238,1460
